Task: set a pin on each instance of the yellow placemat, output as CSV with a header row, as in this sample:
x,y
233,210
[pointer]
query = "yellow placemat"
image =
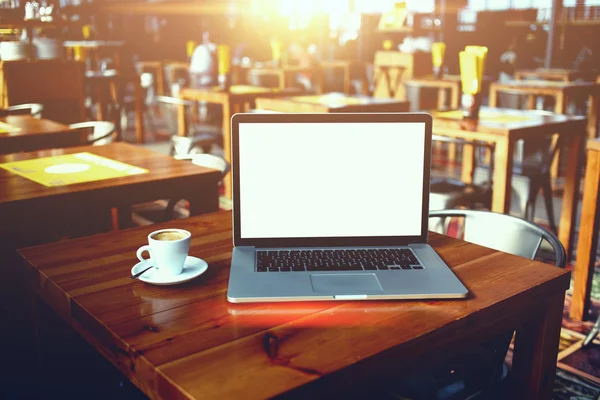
x,y
69,169
6,128
329,100
487,116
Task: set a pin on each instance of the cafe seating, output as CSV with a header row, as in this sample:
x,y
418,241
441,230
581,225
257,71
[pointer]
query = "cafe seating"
x,y
33,109
479,372
200,136
202,160
531,173
448,193
100,132
56,84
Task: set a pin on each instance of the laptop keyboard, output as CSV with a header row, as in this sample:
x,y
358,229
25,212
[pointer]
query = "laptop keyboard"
x,y
336,260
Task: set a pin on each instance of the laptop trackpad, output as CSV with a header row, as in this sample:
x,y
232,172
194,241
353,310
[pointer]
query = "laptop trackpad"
x,y
345,283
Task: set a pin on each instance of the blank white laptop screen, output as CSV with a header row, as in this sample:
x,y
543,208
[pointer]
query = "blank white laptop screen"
x,y
306,180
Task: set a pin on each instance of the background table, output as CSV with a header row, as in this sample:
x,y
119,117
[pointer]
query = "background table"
x,y
504,128
189,342
587,245
36,134
555,74
331,103
239,98
29,210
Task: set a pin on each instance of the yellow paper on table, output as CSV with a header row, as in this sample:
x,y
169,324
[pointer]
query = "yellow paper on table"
x,y
438,50
224,59
86,31
276,47
6,128
70,169
190,46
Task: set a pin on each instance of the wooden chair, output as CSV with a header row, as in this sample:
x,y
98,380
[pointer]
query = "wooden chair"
x,y
56,84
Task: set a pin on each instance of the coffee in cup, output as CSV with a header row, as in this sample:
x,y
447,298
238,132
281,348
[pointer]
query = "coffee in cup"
x,y
169,235
168,249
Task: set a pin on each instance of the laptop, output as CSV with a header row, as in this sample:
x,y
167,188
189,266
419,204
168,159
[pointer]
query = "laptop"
x,y
333,207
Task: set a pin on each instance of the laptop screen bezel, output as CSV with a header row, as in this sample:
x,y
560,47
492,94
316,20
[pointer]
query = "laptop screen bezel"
x,y
238,119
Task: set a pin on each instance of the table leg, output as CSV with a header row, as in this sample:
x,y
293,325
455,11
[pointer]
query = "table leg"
x,y
468,163
536,351
347,79
160,79
503,165
571,193
454,97
228,111
138,99
560,107
493,100
593,112
182,123
588,238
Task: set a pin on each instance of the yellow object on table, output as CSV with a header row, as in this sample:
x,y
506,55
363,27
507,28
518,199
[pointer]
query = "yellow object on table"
x,y
387,44
438,50
70,169
6,128
224,64
190,46
472,64
276,47
86,31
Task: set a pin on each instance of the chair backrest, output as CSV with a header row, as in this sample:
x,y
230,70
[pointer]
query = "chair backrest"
x,y
33,109
56,84
211,161
505,233
169,107
100,132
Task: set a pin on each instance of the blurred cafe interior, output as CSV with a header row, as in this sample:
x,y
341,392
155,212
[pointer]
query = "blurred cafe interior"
x,y
116,123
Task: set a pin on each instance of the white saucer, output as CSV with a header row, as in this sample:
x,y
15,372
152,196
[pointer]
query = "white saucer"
x,y
193,268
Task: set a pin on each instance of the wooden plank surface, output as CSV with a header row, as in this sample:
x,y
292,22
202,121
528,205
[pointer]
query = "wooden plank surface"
x,y
36,134
329,103
189,342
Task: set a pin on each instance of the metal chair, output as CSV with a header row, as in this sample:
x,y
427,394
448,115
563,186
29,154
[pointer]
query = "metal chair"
x,y
448,193
202,160
33,109
478,372
100,132
198,138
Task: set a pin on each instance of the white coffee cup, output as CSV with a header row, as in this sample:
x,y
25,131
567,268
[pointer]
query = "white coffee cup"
x,y
168,249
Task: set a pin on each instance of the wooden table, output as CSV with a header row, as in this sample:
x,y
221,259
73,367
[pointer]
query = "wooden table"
x,y
504,131
331,103
556,74
189,342
36,134
93,48
392,68
26,205
562,93
444,84
240,98
588,234
116,83
283,74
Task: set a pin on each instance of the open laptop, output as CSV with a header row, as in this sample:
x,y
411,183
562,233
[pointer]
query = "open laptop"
x,y
333,207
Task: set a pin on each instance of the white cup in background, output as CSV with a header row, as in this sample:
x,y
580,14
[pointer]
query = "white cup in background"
x,y
168,249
